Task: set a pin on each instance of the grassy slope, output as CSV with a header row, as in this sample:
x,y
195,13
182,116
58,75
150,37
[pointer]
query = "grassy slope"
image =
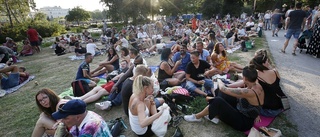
x,y
19,113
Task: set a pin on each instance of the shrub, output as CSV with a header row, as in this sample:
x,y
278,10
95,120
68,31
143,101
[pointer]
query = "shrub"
x,y
44,28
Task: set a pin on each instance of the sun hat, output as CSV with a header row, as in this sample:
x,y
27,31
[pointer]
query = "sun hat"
x,y
72,107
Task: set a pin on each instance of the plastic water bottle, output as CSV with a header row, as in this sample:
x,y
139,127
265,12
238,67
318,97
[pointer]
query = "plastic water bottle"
x,y
202,88
60,131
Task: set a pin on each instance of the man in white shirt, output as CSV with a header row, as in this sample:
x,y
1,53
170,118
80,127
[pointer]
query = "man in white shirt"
x,y
122,42
92,48
143,37
267,20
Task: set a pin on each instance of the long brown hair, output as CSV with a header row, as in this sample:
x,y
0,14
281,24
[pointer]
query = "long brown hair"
x,y
217,50
53,99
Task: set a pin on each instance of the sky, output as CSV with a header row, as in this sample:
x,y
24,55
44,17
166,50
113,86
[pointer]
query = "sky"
x,y
89,5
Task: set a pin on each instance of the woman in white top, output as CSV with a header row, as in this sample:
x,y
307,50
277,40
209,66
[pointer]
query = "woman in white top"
x,y
142,108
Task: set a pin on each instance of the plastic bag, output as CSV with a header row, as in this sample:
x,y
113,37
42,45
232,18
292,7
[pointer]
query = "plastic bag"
x,y
160,125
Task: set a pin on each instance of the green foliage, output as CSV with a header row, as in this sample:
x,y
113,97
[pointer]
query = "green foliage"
x,y
97,15
19,32
197,105
46,44
78,14
210,7
40,16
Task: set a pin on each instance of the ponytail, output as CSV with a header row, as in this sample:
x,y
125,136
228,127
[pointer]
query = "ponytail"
x,y
139,82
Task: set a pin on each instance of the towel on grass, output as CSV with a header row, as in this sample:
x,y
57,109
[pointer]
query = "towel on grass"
x,y
74,57
264,122
13,89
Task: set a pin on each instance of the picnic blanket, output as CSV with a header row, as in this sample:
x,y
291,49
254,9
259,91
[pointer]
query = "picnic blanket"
x,y
69,92
13,89
265,121
74,57
234,49
153,68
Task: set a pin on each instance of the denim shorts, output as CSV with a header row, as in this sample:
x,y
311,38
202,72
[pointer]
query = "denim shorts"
x,y
157,102
191,87
11,81
270,112
294,32
274,26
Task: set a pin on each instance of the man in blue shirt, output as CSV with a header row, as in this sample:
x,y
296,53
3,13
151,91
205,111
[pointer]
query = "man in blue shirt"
x,y
204,54
84,71
296,22
184,56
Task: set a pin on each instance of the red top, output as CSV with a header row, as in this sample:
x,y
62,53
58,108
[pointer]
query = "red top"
x,y
32,35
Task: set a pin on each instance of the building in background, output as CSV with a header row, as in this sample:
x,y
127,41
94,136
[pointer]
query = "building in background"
x,y
54,12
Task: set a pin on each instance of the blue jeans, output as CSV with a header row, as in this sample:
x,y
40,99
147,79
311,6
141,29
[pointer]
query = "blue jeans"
x,y
115,97
270,112
191,87
267,24
11,81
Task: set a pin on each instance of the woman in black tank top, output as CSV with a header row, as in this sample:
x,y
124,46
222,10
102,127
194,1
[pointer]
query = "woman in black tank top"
x,y
167,69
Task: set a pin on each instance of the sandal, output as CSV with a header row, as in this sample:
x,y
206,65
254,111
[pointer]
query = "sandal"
x,y
282,51
294,54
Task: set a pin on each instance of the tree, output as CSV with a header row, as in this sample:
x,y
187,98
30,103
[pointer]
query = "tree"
x,y
78,14
210,7
97,15
40,16
16,10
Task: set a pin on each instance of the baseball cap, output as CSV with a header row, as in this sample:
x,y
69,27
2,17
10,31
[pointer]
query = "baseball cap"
x,y
72,107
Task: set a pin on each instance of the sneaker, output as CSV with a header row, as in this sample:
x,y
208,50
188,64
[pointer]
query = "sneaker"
x,y
2,93
214,120
106,105
71,97
191,118
294,54
276,35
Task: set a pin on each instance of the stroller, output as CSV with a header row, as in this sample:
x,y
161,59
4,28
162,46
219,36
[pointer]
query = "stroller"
x,y
303,39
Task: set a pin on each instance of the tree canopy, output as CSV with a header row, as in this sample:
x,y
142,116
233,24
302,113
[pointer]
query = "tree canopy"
x,y
77,14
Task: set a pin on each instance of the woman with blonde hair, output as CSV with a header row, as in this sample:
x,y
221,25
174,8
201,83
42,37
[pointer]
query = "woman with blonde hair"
x,y
48,102
142,107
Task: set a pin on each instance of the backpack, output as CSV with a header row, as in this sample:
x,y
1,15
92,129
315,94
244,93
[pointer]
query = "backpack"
x,y
116,126
79,88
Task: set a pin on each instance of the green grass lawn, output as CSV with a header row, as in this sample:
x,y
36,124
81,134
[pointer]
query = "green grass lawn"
x,y
19,113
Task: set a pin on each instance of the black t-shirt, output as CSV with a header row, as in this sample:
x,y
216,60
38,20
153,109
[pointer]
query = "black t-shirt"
x,y
135,44
296,19
80,51
126,93
197,73
72,43
229,35
113,40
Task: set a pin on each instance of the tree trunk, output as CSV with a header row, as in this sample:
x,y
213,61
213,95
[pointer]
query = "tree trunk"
x,y
16,19
8,13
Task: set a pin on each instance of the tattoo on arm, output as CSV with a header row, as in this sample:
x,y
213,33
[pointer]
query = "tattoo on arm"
x,y
235,91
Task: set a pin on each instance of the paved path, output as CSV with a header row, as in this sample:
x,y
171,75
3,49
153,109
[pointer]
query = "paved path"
x,y
300,78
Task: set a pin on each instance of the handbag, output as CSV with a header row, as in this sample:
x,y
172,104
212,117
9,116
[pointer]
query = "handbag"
x,y
285,102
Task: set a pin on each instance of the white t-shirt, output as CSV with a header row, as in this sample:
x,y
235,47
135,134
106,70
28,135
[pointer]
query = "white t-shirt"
x,y
91,48
142,35
125,42
248,24
267,16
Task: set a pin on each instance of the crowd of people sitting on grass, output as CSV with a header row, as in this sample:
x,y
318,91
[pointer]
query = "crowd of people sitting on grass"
x,y
191,59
